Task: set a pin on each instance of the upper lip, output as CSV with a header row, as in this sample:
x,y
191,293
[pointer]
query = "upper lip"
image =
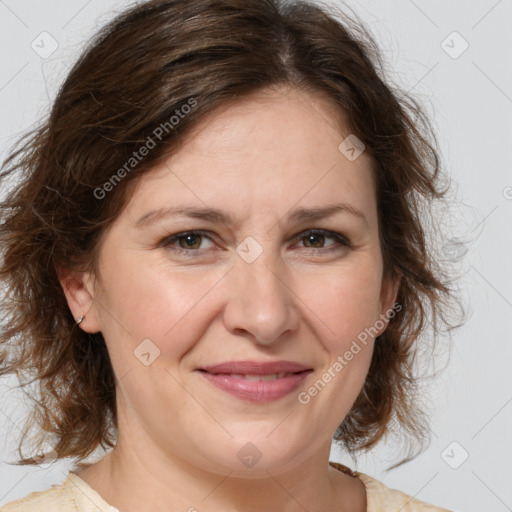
x,y
256,368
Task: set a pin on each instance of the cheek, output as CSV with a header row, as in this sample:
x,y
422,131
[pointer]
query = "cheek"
x,y
343,302
148,302
344,305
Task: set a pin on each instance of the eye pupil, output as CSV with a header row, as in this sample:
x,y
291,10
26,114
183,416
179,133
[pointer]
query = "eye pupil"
x,y
188,237
189,243
313,237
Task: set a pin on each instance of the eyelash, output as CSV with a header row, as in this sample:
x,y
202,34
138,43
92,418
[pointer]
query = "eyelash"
x,y
170,240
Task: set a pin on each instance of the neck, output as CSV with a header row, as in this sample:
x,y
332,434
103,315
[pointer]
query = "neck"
x,y
132,479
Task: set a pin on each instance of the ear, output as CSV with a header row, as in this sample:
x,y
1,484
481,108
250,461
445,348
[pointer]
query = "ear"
x,y
79,291
389,292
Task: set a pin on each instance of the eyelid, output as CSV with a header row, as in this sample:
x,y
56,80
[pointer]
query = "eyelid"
x,y
343,241
167,241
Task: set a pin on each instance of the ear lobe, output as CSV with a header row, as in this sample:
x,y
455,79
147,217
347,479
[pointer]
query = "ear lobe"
x,y
393,285
77,287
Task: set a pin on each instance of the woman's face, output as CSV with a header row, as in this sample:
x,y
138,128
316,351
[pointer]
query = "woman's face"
x,y
258,288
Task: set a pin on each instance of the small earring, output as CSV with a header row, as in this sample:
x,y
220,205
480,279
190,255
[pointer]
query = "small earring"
x,y
79,321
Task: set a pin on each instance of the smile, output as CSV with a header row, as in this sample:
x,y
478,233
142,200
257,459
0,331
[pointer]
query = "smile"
x,y
257,388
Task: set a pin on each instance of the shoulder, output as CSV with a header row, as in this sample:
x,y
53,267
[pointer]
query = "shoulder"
x,y
54,499
381,497
72,494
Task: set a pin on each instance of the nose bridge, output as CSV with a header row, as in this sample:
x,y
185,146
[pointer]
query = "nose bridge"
x,y
261,274
261,301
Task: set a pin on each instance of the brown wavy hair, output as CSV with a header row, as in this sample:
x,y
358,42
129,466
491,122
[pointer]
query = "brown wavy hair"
x,y
134,75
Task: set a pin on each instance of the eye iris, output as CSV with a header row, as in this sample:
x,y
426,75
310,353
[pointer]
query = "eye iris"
x,y
187,238
314,236
193,240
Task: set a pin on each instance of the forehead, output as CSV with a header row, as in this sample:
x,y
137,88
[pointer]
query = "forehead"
x,y
283,120
270,150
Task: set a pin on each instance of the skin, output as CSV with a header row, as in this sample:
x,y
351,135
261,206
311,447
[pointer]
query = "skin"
x,y
259,158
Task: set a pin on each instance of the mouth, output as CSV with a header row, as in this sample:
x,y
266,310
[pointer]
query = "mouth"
x,y
256,382
256,378
256,368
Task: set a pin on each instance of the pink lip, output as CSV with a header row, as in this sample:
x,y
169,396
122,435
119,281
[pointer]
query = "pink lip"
x,y
256,368
256,391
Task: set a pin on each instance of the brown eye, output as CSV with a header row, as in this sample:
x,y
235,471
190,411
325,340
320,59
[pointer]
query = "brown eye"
x,y
188,242
314,239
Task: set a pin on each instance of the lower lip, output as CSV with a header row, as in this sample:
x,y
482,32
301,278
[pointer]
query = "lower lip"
x,y
257,391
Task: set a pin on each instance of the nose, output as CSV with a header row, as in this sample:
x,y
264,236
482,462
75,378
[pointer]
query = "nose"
x,y
261,303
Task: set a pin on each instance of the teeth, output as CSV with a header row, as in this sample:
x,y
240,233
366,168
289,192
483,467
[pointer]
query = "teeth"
x,y
273,376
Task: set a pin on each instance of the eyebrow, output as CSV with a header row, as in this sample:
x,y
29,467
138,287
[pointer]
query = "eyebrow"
x,y
222,217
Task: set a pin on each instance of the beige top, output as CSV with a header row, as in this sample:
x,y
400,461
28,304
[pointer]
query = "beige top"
x,y
74,494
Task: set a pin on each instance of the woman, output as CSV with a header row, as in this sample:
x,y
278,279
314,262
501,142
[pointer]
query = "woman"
x,y
215,260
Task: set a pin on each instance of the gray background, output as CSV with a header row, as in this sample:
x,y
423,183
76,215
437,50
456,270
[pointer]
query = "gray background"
x,y
469,97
